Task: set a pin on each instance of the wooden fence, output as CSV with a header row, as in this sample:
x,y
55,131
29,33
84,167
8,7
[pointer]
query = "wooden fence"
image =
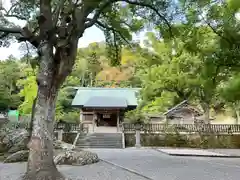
x,y
183,128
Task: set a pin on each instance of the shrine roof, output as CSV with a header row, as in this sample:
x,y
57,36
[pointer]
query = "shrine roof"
x,y
106,97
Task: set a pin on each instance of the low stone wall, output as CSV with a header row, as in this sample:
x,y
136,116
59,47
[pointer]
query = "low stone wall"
x,y
189,140
68,137
175,140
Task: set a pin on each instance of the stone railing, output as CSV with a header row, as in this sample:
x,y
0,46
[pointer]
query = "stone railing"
x,y
66,127
203,129
182,128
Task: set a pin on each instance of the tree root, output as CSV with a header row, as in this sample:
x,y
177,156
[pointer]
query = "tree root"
x,y
51,174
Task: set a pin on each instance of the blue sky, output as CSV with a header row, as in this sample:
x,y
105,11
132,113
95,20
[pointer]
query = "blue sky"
x,y
92,34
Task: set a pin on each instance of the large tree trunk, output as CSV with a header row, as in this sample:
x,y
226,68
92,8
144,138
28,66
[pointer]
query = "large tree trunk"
x,y
206,110
236,109
40,162
237,117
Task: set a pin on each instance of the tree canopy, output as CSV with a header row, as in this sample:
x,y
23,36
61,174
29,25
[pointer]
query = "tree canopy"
x,y
191,52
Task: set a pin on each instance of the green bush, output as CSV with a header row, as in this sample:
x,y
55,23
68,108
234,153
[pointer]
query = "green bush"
x,y
136,117
71,117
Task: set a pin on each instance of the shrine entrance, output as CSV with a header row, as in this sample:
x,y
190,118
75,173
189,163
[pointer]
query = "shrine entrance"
x,y
104,108
107,119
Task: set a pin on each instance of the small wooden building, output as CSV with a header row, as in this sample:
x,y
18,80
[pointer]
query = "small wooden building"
x,y
103,108
184,113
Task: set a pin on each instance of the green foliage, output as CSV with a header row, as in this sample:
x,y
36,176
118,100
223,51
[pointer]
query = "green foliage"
x,y
71,117
192,60
9,74
28,91
231,89
160,104
234,4
135,116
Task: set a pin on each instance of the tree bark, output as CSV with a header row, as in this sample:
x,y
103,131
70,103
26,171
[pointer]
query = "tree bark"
x,y
40,161
208,127
30,128
237,113
237,118
206,110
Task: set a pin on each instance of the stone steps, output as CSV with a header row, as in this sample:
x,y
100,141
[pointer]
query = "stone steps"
x,y
100,140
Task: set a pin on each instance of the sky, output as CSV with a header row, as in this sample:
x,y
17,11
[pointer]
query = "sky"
x,y
91,35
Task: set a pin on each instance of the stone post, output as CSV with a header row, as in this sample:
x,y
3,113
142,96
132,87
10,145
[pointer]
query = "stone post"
x,y
81,116
60,135
138,136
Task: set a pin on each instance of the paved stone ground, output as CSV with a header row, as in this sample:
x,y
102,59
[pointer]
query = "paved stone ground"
x,y
148,162
98,171
194,152
158,165
231,152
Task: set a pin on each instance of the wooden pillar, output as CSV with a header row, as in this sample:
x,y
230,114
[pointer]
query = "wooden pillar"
x,y
118,121
94,120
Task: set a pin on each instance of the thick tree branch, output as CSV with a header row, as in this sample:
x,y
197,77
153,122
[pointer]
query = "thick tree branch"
x,y
112,29
10,30
80,15
58,11
27,35
45,19
153,9
98,13
109,2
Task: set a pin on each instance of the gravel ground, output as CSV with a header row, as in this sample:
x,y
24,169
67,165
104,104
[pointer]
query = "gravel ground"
x,y
98,171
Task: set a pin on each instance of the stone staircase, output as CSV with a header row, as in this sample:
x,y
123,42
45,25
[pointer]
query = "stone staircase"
x,y
100,140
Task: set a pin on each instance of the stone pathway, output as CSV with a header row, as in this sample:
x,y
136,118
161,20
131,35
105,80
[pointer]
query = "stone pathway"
x,y
193,152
